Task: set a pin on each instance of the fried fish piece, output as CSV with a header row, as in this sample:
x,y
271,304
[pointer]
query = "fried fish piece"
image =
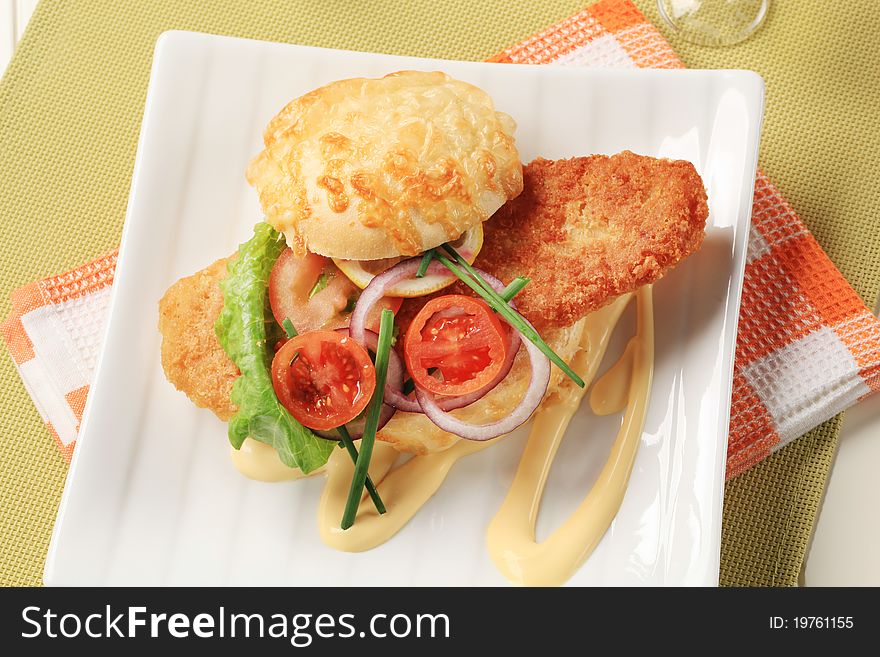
x,y
585,230
192,358
588,229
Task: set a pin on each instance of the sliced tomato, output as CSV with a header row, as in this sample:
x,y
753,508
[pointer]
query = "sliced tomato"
x,y
455,345
323,378
314,294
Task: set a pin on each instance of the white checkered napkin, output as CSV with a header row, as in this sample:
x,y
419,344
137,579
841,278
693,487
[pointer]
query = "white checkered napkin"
x,y
54,336
807,347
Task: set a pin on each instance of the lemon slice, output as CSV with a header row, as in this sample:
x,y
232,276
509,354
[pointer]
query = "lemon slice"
x,y
361,272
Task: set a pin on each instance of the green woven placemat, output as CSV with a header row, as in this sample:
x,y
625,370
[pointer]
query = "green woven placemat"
x,y
820,145
70,110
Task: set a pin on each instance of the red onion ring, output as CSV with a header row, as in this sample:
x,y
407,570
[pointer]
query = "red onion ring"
x,y
538,383
540,379
369,298
376,290
394,376
356,427
451,403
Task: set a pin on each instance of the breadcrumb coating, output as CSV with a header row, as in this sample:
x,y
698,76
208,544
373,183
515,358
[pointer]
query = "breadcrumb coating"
x,y
585,230
588,229
192,358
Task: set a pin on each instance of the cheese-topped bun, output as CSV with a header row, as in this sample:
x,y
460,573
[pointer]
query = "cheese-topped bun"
x,y
364,169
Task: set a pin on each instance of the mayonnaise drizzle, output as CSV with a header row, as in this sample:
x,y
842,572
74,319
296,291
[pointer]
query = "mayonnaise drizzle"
x,y
404,491
511,534
611,392
259,461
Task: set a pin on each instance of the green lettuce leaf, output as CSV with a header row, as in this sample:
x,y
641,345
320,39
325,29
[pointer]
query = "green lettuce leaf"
x,y
244,328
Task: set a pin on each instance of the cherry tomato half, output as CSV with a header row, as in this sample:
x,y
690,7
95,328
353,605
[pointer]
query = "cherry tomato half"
x,y
314,294
323,378
460,339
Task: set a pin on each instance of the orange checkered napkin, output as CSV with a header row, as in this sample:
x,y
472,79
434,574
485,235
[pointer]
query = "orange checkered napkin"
x,y
807,346
54,335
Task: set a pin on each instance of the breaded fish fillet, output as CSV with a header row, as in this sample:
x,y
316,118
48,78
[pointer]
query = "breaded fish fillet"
x,y
588,229
585,230
192,358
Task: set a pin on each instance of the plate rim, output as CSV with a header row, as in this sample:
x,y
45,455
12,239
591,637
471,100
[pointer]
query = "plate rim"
x,y
739,260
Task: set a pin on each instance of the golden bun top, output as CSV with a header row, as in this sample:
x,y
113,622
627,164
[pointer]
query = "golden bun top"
x,y
364,169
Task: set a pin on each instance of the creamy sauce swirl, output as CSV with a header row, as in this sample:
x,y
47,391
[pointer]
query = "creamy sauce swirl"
x,y
404,490
511,534
259,461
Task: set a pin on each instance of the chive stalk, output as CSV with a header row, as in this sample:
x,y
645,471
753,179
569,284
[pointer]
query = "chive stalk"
x,y
464,264
515,287
288,327
427,256
348,444
358,480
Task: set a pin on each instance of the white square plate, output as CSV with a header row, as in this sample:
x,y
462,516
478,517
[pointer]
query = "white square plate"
x,y
152,497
